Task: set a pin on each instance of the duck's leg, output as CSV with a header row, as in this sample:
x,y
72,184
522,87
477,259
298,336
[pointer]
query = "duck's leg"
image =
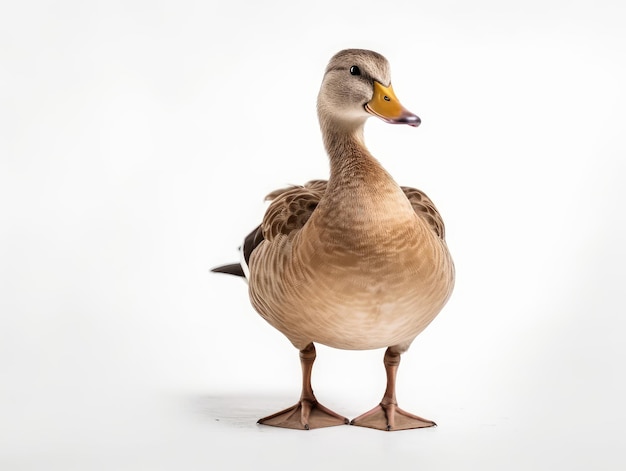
x,y
387,415
307,413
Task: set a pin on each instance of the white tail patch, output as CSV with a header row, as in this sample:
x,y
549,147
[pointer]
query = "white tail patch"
x,y
244,265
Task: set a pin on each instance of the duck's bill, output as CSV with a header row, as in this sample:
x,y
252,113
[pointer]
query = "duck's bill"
x,y
387,107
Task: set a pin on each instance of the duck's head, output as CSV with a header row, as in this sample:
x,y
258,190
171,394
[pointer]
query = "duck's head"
x,y
357,85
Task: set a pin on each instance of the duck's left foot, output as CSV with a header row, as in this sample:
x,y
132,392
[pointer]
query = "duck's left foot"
x,y
305,415
391,417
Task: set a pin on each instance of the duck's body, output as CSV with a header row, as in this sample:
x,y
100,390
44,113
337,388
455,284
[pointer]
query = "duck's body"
x,y
366,275
356,262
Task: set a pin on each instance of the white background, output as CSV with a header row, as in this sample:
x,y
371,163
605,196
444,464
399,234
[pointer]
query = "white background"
x,y
137,140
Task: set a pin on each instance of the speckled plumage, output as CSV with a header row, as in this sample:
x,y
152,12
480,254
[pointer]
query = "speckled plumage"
x,y
362,275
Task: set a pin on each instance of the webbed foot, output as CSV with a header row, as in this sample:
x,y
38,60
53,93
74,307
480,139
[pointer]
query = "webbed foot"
x,y
391,417
305,415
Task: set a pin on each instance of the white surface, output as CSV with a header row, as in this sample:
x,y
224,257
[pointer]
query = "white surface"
x,y
136,143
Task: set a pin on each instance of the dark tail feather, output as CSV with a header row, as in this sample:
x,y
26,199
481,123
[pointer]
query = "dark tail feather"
x,y
232,269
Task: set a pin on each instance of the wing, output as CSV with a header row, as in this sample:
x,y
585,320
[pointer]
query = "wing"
x,y
290,209
425,208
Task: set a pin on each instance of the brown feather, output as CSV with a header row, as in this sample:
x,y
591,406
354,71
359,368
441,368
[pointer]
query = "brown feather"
x,y
291,208
425,208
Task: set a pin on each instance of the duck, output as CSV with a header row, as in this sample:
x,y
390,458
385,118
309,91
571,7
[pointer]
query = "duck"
x,y
355,262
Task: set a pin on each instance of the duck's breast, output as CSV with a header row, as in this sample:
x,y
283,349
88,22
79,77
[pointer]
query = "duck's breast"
x,y
359,294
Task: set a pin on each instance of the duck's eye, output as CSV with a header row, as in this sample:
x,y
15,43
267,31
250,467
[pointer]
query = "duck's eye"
x,y
354,70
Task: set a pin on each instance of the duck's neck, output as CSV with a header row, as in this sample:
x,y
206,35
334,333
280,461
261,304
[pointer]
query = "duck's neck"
x,y
360,191
351,164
